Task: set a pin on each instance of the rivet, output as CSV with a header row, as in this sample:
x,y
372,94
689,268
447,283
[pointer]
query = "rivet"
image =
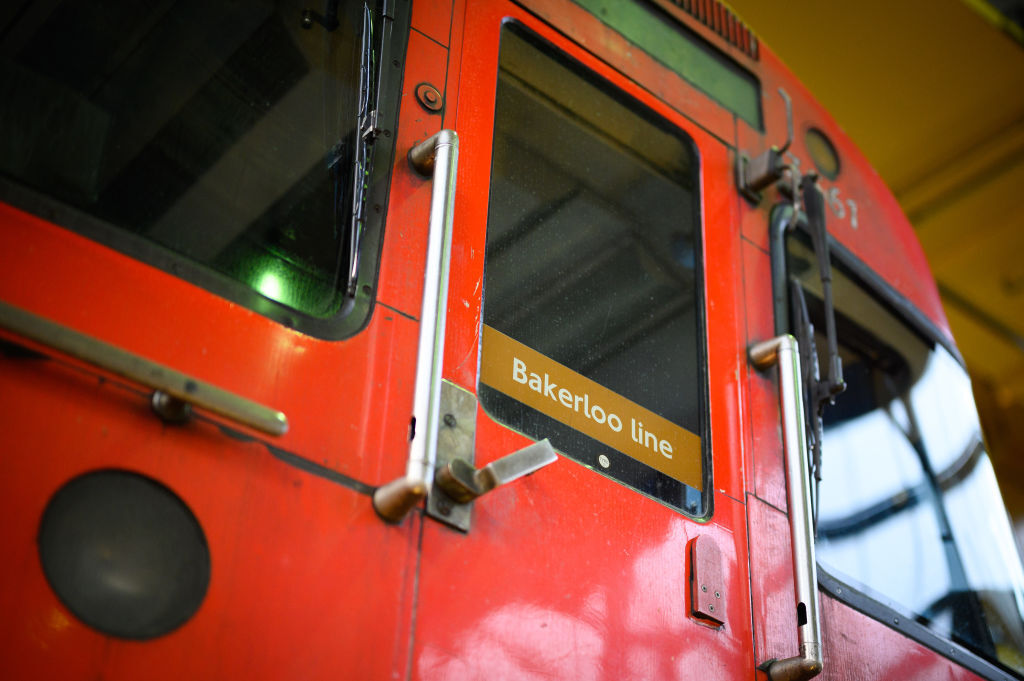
x,y
429,97
711,608
718,595
703,588
170,409
604,461
443,507
449,420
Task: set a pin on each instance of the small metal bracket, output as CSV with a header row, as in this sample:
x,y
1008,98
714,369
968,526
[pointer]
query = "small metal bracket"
x,y
456,436
756,174
371,131
457,482
707,582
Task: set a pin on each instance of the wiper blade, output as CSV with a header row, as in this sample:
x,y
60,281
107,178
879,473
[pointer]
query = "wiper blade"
x,y
362,167
813,405
814,207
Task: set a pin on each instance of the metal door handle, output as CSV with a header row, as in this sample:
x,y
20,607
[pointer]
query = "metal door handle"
x,y
438,155
464,483
785,351
168,383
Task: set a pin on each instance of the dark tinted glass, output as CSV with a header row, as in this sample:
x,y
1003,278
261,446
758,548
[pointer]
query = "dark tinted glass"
x,y
227,133
593,252
910,511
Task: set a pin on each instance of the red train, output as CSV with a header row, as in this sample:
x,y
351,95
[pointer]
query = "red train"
x,y
465,339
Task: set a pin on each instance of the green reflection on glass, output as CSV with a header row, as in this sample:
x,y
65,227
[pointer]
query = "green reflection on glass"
x,y
269,284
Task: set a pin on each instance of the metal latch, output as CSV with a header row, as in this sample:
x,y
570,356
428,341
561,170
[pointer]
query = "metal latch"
x,y
707,582
756,174
457,482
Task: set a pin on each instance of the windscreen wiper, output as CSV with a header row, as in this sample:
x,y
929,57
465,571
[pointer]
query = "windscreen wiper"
x,y
810,375
367,133
814,207
818,393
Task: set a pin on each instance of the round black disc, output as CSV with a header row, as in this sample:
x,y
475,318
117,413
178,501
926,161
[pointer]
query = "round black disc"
x,y
124,554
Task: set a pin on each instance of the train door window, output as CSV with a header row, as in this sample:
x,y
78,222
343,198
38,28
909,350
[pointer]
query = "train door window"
x,y
592,283
235,144
909,510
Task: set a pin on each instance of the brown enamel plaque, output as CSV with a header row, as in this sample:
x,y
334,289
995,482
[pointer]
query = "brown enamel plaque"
x,y
584,405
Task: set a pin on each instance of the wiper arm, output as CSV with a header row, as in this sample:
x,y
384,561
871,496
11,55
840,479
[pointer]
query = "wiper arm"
x,y
814,207
818,393
813,405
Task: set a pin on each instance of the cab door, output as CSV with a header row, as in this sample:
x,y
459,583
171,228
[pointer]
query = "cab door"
x,y
179,226
592,302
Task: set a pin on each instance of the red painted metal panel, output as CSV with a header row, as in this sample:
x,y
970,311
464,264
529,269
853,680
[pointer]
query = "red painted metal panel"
x,y
767,466
859,648
433,19
405,234
92,289
723,305
292,594
572,576
771,582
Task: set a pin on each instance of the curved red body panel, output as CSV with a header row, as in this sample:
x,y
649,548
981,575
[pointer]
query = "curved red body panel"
x,y
564,575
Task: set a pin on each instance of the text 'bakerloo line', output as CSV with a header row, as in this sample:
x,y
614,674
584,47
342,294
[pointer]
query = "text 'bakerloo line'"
x,y
543,385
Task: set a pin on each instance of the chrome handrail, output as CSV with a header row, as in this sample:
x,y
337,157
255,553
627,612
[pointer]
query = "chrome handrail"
x,y
785,351
141,370
438,155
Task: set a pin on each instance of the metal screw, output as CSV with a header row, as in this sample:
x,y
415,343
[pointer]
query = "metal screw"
x,y
170,409
711,608
449,420
444,507
895,620
718,595
703,588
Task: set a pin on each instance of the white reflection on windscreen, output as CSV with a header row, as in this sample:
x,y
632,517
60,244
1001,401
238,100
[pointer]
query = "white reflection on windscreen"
x,y
981,528
943,404
868,461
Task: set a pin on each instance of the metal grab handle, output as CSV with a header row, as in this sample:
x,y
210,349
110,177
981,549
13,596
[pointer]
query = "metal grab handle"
x,y
785,351
141,370
464,483
393,501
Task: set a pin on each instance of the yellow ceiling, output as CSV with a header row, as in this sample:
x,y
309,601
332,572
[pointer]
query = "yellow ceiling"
x,y
934,96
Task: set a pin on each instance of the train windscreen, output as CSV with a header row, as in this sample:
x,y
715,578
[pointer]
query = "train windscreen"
x,y
910,513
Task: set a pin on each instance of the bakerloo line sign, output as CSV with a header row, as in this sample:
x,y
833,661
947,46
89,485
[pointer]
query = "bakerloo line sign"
x,y
557,391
